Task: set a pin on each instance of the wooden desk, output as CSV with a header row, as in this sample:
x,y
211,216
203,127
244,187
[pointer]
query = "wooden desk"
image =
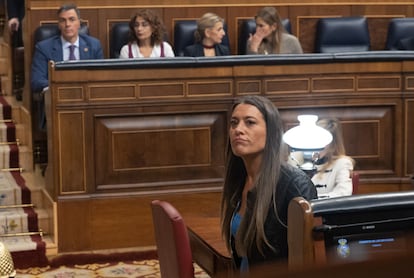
x,y
175,111
208,247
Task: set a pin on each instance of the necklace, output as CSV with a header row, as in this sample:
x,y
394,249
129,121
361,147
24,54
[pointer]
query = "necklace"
x,y
208,46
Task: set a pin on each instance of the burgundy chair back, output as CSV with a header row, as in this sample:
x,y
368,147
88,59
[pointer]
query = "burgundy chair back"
x,y
355,182
173,244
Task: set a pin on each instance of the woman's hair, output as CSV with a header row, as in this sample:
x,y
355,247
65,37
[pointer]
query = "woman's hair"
x,y
208,20
251,230
158,29
336,148
271,17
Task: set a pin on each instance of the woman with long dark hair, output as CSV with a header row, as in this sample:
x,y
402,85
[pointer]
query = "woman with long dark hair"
x,y
259,184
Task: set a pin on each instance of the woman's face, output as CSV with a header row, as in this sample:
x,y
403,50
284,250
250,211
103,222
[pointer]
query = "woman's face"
x,y
263,28
247,131
143,29
216,33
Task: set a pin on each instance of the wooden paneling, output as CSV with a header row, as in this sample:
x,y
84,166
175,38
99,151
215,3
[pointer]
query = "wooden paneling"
x,y
120,221
101,15
159,151
409,138
71,151
374,154
73,220
119,138
122,137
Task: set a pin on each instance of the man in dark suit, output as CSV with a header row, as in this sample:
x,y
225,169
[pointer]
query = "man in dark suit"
x,y
58,47
68,45
15,14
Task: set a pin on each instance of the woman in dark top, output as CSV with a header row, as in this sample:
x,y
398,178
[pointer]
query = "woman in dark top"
x,y
258,185
208,38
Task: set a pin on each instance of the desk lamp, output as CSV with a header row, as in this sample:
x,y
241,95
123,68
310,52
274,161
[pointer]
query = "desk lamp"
x,y
308,139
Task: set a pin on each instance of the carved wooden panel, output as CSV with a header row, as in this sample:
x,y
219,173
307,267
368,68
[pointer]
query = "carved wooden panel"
x,y
409,83
251,86
209,88
287,85
368,134
71,136
409,137
156,151
70,94
74,225
142,133
152,90
377,83
112,92
333,84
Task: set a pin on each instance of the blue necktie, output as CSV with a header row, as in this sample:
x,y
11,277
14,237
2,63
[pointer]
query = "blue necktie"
x,y
72,52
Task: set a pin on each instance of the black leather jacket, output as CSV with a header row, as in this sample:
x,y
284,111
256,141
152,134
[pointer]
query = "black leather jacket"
x,y
292,183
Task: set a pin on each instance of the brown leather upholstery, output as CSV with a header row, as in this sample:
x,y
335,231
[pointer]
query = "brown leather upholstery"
x,y
173,244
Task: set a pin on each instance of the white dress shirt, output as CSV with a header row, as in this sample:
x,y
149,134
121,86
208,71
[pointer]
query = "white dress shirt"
x,y
65,48
156,51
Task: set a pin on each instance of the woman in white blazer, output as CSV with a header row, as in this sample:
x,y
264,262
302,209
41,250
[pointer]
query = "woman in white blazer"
x,y
334,167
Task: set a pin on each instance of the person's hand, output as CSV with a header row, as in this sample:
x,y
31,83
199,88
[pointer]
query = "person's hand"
x,y
13,24
256,39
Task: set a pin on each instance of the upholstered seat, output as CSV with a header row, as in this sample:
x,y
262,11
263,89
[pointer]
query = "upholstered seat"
x,y
119,37
248,27
184,35
399,29
46,31
173,243
342,34
406,44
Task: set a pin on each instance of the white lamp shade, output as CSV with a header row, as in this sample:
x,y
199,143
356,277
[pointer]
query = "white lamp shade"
x,y
307,135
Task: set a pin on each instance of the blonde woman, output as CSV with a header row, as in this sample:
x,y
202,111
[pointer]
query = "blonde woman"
x,y
208,38
334,167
